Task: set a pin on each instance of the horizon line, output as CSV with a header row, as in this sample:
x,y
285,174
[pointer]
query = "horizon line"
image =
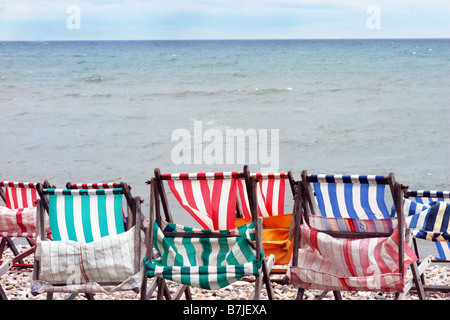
x,y
233,39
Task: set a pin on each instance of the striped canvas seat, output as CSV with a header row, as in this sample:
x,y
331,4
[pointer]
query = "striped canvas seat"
x,y
334,264
351,203
91,250
208,263
344,240
270,194
210,198
85,215
428,217
18,218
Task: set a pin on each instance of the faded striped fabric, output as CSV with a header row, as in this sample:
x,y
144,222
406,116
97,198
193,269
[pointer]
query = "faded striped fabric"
x,y
351,196
370,264
85,215
20,194
104,265
210,198
208,263
429,218
18,222
352,225
18,218
270,194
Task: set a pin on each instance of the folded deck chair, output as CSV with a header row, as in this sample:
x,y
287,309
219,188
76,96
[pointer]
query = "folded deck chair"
x,y
212,257
428,216
345,239
270,190
92,251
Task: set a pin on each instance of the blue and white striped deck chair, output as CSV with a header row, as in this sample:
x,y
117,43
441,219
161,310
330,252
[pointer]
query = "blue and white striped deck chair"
x,y
350,203
428,215
91,251
354,207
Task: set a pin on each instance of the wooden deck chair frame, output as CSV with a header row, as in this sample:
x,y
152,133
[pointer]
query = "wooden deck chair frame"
x,y
157,197
435,196
136,220
305,205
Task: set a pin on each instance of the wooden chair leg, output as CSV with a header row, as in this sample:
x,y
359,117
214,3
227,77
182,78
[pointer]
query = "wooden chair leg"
x,y
300,293
3,294
337,295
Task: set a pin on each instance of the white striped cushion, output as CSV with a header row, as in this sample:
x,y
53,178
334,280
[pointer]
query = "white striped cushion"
x,y
110,259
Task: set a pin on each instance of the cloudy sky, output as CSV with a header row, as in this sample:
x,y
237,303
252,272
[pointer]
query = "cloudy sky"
x,y
222,19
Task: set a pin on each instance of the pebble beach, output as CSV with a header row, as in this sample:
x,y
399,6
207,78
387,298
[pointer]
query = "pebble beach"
x,y
17,286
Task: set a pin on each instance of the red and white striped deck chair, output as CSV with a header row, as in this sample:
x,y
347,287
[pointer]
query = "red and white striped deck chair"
x,y
271,195
354,256
209,197
17,220
18,217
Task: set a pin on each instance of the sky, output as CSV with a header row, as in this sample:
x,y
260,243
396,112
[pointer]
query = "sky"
x,y
222,19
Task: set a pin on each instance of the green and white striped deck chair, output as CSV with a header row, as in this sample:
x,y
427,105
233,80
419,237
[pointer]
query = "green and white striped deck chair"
x,y
204,258
91,251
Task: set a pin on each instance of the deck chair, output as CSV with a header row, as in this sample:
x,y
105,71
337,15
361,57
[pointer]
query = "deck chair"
x,y
428,216
18,217
92,251
270,190
346,239
208,258
17,220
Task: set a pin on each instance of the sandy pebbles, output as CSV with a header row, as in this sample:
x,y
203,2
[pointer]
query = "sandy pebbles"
x,y
17,285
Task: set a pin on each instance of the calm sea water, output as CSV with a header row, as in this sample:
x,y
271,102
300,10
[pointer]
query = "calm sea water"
x,y
99,111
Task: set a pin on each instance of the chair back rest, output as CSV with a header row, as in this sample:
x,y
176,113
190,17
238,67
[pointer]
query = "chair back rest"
x,y
428,196
419,200
109,185
270,193
20,195
210,197
85,215
351,196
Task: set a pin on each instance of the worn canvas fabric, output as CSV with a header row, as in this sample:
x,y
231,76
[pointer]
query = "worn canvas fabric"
x,y
85,266
208,263
370,264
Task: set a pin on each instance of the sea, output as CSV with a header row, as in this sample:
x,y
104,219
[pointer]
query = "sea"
x,y
103,111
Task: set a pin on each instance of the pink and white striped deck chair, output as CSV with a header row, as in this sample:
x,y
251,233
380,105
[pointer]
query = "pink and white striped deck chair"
x,y
18,217
358,257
